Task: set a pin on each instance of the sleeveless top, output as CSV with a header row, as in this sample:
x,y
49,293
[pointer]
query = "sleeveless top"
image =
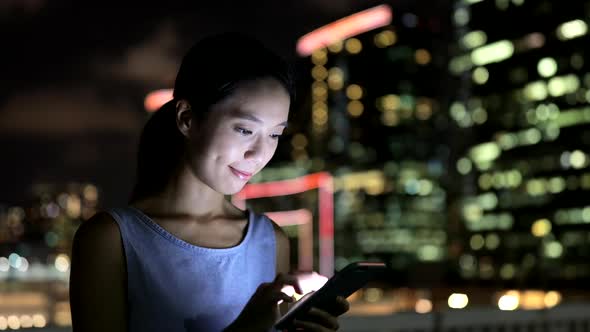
x,y
176,286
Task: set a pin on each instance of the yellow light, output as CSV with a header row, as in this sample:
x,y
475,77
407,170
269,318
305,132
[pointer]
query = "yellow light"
x,y
458,301
26,321
390,102
335,78
423,306
541,227
474,39
319,73
62,263
492,241
389,118
572,29
422,56
423,109
353,46
494,52
553,249
355,108
481,75
483,152
373,294
385,38
507,271
336,47
461,63
319,57
3,323
299,141
547,67
552,298
319,89
354,92
477,242
578,159
536,90
13,322
509,301
39,321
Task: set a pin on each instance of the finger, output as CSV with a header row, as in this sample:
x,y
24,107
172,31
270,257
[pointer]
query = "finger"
x,y
342,306
322,317
310,326
280,296
283,279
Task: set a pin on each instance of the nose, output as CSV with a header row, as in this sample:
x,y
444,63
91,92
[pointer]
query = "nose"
x,y
255,151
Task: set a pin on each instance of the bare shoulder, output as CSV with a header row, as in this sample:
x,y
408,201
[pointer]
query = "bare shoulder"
x,y
101,226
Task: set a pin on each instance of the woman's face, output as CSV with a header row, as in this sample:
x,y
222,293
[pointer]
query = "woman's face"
x,y
239,135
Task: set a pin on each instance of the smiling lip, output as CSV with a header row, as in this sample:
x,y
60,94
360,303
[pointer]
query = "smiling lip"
x,y
240,174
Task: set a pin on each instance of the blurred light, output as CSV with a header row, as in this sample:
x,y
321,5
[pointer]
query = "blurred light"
x,y
389,118
4,264
534,40
299,141
335,78
308,282
319,57
492,241
578,159
13,322
373,294
474,39
385,38
507,271
319,73
502,4
344,28
536,90
354,92
26,321
319,89
355,108
62,263
480,75
494,52
353,46
547,67
336,46
541,228
429,253
485,152
422,56
577,61
509,301
471,1
552,298
477,242
572,29
423,306
461,16
461,63
479,115
39,321
15,260
458,301
3,323
553,249
154,100
389,102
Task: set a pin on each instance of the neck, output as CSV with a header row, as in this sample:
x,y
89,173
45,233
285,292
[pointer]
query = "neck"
x,y
186,195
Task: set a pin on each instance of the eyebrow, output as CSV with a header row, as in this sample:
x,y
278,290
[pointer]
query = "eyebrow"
x,y
247,116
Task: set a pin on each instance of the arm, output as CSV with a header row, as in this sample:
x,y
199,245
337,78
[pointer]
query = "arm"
x,y
98,277
283,258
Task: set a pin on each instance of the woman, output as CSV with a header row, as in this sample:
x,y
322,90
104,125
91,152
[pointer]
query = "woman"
x,y
181,257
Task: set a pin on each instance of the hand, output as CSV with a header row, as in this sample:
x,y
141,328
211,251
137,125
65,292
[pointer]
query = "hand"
x,y
318,320
261,311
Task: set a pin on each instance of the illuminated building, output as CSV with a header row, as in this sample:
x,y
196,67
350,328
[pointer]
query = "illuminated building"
x,y
523,109
375,124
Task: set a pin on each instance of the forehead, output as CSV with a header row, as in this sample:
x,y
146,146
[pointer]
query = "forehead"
x,y
262,98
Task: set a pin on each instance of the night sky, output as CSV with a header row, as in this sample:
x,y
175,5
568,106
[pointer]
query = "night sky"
x,y
74,75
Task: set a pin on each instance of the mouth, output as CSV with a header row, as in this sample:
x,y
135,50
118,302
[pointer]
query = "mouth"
x,y
241,174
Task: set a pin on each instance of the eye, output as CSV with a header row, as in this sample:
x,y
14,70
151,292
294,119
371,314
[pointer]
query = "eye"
x,y
243,131
276,136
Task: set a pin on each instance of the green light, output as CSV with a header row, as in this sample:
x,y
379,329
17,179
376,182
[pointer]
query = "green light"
x,y
464,166
553,249
477,242
494,52
485,152
535,90
474,39
547,67
480,75
572,29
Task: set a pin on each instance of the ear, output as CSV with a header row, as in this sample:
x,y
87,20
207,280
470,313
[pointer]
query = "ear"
x,y
184,117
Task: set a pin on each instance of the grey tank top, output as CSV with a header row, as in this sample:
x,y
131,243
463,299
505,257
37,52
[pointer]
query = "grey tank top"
x,y
176,286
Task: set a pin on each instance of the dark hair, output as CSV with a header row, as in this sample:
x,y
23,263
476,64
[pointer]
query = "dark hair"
x,y
210,71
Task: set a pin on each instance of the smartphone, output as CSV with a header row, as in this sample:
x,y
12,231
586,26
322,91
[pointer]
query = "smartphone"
x,y
345,282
